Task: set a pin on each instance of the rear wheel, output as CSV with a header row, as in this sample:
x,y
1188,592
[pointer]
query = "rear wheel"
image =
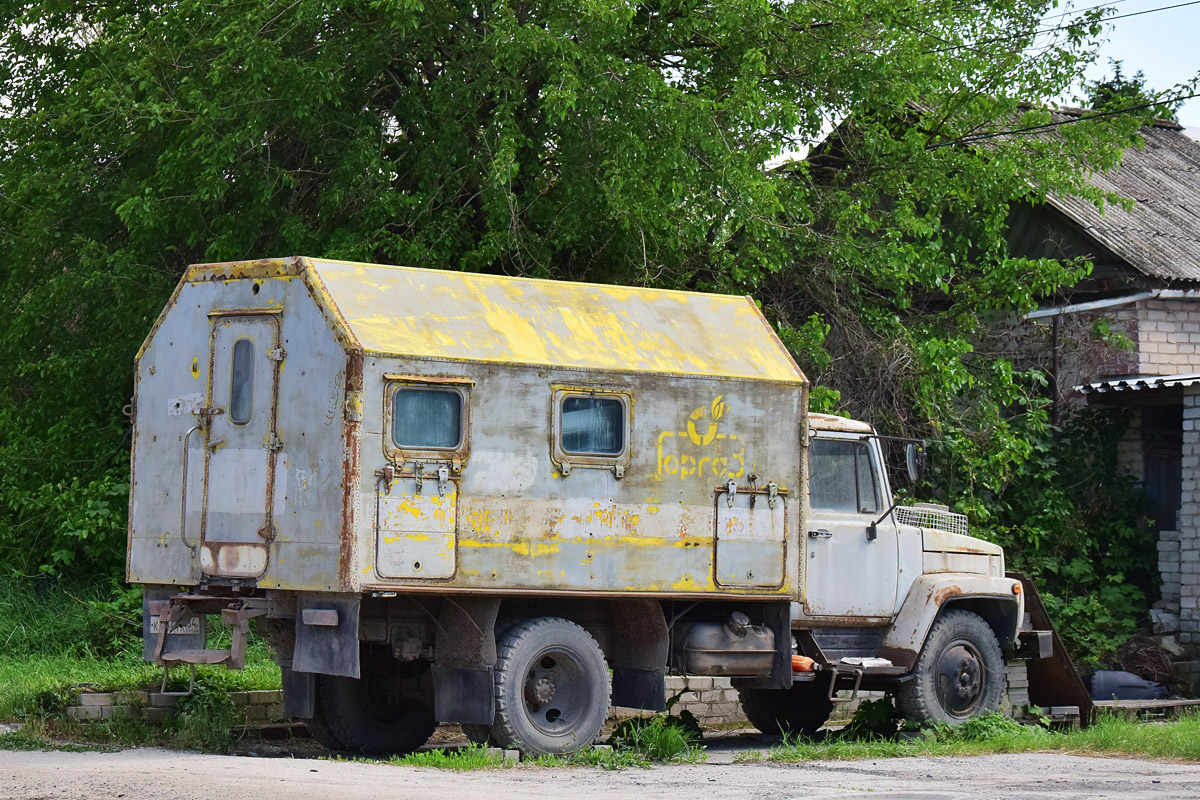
x,y
959,674
477,734
388,710
802,709
552,687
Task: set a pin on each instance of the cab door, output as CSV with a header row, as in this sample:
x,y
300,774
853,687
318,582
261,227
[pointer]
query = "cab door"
x,y
850,569
241,444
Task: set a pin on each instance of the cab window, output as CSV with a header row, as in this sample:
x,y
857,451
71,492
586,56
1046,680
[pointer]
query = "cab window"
x,y
840,478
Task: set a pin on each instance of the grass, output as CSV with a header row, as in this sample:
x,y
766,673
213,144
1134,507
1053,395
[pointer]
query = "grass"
x,y
57,637
1110,735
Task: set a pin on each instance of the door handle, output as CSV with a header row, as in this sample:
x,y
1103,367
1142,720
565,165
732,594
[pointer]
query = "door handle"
x,y
820,534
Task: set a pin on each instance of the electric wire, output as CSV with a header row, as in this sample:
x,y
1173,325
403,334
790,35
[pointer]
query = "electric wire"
x,y
980,137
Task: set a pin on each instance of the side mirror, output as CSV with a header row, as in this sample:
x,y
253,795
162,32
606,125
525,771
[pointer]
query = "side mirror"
x,y
914,460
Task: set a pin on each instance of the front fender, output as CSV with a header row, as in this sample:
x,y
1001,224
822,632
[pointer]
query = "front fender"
x,y
990,597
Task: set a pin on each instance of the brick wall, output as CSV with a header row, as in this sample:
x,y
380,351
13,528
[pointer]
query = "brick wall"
x,y
1167,336
1189,526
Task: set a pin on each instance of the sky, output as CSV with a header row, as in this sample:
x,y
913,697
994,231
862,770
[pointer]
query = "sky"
x,y
1162,44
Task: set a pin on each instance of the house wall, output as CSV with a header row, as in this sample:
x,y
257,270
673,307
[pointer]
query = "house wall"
x,y
1189,525
1166,334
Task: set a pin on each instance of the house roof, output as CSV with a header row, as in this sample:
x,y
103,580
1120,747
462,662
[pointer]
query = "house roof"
x,y
464,316
1160,235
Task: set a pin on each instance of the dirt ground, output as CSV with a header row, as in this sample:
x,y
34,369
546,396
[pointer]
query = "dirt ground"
x,y
155,774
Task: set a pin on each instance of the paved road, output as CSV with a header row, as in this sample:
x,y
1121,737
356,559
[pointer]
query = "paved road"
x,y
155,774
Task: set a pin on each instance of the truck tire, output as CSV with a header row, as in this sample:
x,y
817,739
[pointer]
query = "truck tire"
x,y
802,709
959,674
388,710
552,687
477,733
321,731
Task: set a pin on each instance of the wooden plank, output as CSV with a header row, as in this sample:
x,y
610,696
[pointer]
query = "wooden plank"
x,y
1144,705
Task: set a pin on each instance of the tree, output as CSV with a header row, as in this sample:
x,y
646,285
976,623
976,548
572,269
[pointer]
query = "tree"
x,y
1129,91
604,140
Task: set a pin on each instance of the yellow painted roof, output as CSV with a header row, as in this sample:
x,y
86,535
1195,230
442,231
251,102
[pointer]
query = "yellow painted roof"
x,y
474,317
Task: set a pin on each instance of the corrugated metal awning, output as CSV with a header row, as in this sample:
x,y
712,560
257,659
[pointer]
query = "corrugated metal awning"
x,y
1133,384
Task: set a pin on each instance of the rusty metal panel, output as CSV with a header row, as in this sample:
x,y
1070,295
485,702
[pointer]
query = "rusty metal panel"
x,y
474,317
304,506
751,538
417,528
516,515
526,524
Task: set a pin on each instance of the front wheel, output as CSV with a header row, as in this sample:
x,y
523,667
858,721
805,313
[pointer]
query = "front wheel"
x,y
959,674
552,687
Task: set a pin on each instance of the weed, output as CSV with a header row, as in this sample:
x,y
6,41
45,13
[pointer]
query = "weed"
x,y
873,719
205,719
593,757
473,756
1109,735
655,738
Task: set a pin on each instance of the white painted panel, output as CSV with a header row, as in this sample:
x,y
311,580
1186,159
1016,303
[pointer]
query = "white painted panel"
x,y
751,541
416,535
239,485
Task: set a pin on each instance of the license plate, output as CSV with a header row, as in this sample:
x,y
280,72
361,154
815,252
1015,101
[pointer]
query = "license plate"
x,y
192,628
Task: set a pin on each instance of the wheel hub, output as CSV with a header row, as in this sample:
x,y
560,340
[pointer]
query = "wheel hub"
x,y
540,690
960,680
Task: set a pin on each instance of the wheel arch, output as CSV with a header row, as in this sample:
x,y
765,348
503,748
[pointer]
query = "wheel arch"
x,y
991,598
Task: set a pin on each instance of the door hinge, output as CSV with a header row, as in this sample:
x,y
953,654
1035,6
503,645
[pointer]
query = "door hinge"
x,y
274,443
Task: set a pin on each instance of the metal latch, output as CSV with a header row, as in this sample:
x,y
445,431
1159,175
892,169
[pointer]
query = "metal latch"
x,y
730,491
564,467
443,476
274,443
772,493
418,476
277,354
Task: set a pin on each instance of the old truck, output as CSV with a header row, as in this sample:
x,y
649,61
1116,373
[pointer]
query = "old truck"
x,y
506,503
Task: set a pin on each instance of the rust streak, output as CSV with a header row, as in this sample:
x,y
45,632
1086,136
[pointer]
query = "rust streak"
x,y
350,474
945,593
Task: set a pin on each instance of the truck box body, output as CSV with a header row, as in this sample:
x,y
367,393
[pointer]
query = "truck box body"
x,y
590,439
504,503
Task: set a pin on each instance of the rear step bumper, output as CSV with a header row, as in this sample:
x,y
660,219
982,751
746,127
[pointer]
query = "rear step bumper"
x,y
180,610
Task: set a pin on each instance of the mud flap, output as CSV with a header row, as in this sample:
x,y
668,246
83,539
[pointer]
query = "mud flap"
x,y
1053,680
299,693
644,689
464,695
327,635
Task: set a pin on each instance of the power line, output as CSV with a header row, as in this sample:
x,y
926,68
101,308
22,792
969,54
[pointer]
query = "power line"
x,y
996,135
1056,28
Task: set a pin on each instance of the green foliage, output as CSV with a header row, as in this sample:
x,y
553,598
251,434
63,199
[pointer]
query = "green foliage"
x,y
205,718
52,617
608,141
661,737
873,719
1179,738
1128,91
471,757
1077,525
985,728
